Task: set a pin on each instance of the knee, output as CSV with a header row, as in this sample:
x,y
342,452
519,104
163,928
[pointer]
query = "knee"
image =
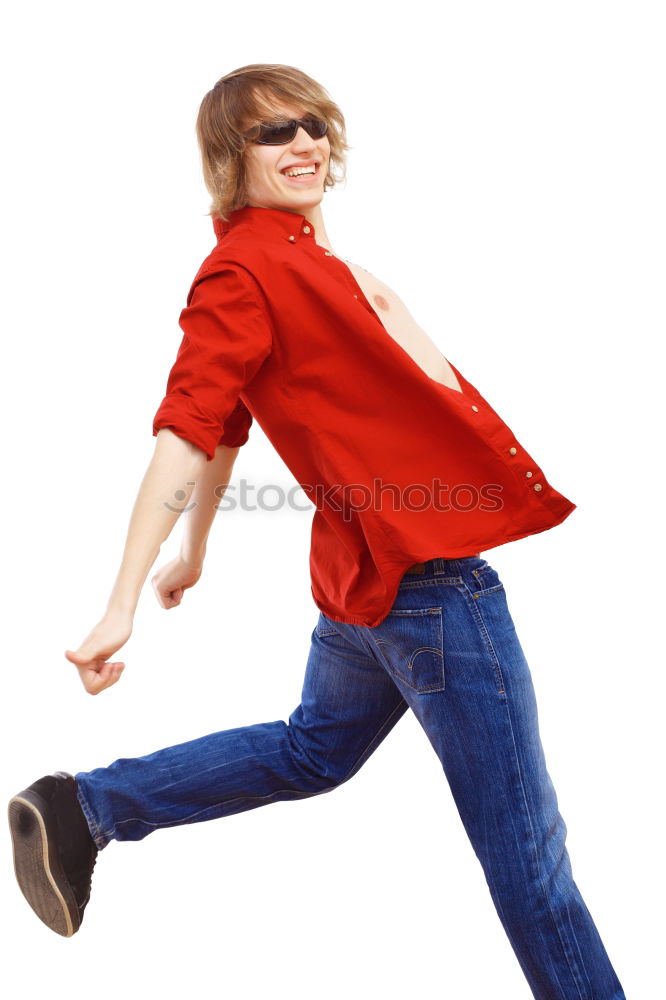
x,y
321,770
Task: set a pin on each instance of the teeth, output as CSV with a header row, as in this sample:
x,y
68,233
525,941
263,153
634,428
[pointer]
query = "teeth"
x,y
299,170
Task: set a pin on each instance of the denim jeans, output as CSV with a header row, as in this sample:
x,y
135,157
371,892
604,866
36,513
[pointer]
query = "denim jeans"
x,y
448,650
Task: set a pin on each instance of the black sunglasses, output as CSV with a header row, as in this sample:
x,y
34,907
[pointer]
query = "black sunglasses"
x,y
277,133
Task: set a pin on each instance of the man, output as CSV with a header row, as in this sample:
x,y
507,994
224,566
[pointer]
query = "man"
x,y
412,474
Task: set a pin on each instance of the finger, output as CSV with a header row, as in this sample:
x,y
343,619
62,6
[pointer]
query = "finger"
x,y
160,593
95,675
169,598
82,656
96,681
162,597
92,683
108,681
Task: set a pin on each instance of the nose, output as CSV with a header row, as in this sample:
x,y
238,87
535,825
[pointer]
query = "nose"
x,y
302,136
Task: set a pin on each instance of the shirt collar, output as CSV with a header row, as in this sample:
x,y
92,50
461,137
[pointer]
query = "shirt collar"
x,y
276,222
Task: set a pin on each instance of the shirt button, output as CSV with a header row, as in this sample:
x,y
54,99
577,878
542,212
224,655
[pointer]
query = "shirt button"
x,y
292,237
512,451
327,253
538,486
306,229
529,475
355,295
476,409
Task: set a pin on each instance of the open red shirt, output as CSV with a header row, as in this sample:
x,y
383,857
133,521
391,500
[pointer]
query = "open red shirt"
x,y
399,467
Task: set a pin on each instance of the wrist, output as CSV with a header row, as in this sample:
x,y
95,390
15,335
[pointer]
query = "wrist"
x,y
192,558
121,608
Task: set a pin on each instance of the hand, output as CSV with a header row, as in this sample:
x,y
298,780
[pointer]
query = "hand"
x,y
172,580
90,658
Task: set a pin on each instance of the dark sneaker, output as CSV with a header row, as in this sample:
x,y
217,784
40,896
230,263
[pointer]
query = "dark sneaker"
x,y
54,852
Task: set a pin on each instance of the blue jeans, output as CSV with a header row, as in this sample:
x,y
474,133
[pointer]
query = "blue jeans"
x,y
448,650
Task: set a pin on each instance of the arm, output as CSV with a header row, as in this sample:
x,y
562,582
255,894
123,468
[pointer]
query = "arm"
x,y
172,580
176,464
165,491
197,522
227,336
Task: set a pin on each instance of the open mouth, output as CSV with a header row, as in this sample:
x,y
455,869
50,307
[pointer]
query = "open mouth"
x,y
303,178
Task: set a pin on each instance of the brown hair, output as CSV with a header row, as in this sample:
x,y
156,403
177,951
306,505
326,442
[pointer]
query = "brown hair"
x,y
242,99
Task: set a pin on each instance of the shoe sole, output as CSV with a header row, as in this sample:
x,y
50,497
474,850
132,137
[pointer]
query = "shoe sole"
x,y
39,872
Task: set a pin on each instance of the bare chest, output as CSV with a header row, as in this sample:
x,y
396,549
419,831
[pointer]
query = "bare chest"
x,y
401,325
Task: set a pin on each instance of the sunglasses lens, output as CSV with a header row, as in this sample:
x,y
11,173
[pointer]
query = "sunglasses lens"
x,y
315,127
278,133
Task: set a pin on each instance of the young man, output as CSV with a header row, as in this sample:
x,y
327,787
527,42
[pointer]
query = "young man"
x,y
412,474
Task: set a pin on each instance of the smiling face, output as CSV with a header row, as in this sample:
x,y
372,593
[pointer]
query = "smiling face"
x,y
268,184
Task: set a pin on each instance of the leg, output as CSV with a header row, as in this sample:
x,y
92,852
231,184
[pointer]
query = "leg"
x,y
348,706
451,647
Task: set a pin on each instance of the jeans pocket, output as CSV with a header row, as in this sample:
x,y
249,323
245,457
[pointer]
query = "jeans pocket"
x,y
410,644
324,625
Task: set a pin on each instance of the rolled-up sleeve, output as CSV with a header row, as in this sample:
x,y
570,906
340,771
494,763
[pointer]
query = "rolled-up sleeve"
x,y
237,426
226,338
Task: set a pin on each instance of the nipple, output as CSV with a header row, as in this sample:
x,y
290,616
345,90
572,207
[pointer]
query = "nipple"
x,y
381,301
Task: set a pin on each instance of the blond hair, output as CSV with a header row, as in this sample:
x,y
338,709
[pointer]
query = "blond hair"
x,y
241,100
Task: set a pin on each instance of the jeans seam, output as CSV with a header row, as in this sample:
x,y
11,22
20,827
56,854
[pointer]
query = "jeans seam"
x,y
215,805
478,618
224,802
571,961
98,835
573,966
399,709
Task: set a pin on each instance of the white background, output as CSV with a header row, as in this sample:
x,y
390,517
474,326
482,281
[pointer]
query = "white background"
x,y
507,178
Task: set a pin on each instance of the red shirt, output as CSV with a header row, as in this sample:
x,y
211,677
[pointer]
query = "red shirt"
x,y
400,468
